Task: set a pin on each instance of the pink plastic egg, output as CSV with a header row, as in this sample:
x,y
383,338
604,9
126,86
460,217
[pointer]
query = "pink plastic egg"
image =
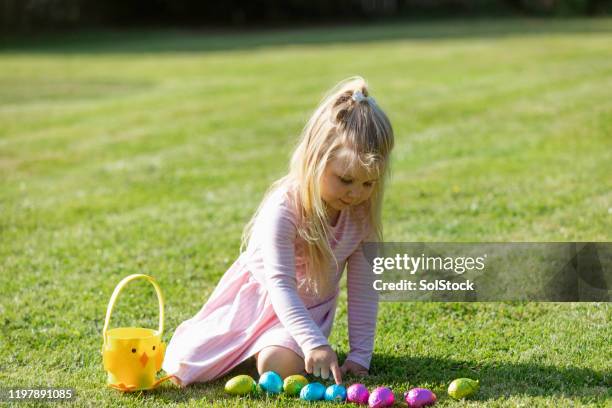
x,y
358,394
420,397
381,397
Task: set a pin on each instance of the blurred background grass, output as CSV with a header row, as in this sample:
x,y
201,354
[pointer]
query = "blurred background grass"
x,y
147,151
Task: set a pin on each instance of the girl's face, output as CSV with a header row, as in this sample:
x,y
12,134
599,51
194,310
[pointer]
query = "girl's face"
x,y
343,186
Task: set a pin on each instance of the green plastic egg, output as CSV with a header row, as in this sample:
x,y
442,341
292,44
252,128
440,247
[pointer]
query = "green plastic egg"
x,y
240,385
463,388
294,384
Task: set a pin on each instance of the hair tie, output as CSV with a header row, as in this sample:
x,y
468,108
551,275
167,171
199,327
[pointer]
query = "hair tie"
x,y
358,96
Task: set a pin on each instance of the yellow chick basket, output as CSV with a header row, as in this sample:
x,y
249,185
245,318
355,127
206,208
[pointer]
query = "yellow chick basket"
x,y
133,355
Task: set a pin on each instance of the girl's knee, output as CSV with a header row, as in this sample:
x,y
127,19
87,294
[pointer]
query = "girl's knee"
x,y
283,361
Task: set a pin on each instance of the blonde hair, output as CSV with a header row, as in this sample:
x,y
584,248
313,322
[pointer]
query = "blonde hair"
x,y
344,118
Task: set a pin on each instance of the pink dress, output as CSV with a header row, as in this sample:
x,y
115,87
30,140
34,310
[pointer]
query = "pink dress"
x,y
261,300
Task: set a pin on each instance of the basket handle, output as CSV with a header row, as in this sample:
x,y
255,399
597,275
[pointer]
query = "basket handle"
x,y
119,287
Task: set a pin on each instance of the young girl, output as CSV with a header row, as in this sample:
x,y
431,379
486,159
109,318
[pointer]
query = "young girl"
x,y
277,302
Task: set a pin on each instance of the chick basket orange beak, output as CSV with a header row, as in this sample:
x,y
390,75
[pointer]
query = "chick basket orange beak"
x,y
144,359
124,349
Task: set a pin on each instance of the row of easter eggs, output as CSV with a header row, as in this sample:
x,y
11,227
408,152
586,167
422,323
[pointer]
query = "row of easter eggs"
x,y
294,385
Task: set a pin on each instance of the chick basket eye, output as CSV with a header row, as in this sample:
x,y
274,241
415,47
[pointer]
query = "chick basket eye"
x,y
129,374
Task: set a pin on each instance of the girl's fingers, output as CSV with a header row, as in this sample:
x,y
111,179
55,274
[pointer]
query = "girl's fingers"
x,y
361,372
308,366
324,373
317,371
337,372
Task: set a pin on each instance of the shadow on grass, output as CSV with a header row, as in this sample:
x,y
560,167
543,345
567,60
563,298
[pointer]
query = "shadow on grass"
x,y
501,380
496,379
193,41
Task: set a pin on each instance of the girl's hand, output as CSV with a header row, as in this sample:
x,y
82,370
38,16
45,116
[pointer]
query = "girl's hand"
x,y
350,367
320,361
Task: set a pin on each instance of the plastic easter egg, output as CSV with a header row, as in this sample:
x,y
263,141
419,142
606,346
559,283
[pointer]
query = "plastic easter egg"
x,y
420,397
463,388
312,392
240,385
294,384
381,397
336,393
271,382
358,394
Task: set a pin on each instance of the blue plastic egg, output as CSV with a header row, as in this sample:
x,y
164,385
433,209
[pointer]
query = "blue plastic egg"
x,y
313,392
336,393
271,382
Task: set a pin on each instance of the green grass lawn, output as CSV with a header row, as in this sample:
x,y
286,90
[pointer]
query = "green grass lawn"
x,y
148,151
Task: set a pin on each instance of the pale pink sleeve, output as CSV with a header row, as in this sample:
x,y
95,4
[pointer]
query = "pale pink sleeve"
x,y
278,234
362,308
